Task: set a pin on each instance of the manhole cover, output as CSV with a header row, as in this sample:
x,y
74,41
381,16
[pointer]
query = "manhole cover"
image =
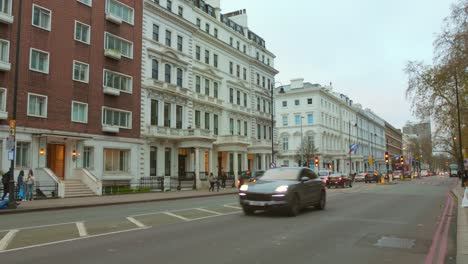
x,y
395,242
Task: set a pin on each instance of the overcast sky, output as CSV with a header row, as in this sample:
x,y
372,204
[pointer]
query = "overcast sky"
x,y
361,46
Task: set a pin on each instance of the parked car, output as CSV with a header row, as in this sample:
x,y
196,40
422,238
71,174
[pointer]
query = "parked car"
x,y
424,173
339,180
415,174
397,175
360,177
324,174
288,189
371,176
255,175
406,175
453,173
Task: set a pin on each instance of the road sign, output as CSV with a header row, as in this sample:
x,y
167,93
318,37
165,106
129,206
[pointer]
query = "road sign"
x,y
10,143
272,165
11,155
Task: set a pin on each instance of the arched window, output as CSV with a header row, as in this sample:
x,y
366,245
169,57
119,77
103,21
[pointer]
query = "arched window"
x,y
285,143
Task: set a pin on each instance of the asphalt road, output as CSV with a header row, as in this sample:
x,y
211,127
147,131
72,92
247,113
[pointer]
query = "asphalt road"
x,y
364,224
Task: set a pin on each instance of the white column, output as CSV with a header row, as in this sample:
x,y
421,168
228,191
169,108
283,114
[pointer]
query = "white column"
x,y
236,162
175,162
245,166
263,167
197,167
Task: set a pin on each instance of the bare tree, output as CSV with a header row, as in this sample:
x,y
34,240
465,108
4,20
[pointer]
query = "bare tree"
x,y
306,154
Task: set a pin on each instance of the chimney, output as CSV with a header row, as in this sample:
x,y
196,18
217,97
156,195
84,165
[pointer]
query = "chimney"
x,y
297,83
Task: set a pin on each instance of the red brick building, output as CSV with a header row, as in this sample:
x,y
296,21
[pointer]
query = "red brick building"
x,y
78,103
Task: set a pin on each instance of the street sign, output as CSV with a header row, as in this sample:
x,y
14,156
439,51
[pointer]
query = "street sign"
x,y
10,143
272,165
11,155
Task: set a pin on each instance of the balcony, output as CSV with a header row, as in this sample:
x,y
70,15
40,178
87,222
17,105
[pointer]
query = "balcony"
x,y
111,91
261,143
6,18
110,129
198,132
113,54
114,19
5,66
3,115
233,139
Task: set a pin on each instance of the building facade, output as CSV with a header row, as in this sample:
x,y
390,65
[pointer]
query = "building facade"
x,y
394,142
205,100
311,114
78,100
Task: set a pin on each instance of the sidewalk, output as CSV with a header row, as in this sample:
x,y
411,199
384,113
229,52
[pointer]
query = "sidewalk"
x,y
462,227
95,201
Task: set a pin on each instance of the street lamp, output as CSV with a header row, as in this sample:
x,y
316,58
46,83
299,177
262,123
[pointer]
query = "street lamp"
x,y
281,91
349,139
459,123
302,145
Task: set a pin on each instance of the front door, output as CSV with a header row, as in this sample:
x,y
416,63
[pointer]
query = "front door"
x,y
182,169
56,159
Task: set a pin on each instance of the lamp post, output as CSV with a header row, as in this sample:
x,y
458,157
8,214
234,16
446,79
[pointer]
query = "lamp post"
x,y
302,145
459,124
349,139
281,91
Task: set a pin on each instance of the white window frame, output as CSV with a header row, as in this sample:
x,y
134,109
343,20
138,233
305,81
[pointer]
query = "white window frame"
x,y
87,4
124,5
90,153
9,11
86,73
88,35
85,114
117,73
45,105
30,60
7,50
50,17
28,155
3,100
117,110
122,39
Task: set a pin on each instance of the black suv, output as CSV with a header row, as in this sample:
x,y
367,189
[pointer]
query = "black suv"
x,y
371,176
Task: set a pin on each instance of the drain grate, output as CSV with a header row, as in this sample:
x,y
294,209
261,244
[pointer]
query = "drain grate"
x,y
395,242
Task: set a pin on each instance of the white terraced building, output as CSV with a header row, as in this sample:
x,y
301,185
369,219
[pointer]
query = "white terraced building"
x,y
332,122
205,100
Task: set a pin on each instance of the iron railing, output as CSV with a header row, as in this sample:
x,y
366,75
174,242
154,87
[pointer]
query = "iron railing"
x,y
41,190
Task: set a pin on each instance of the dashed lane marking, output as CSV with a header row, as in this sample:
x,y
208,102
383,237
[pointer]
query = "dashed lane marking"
x,y
7,239
136,222
177,216
209,211
81,229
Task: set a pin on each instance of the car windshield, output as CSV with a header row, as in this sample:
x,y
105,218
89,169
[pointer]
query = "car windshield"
x,y
281,174
336,175
322,173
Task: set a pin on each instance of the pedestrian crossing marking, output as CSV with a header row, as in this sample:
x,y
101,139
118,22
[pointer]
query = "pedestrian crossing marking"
x,y
81,229
7,239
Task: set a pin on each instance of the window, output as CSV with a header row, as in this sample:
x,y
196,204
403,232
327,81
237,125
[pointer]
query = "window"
x,y
167,114
154,115
207,28
80,71
238,71
207,87
269,132
207,56
231,67
264,105
181,11
285,120
238,45
259,131
79,112
37,105
153,161
269,84
215,60
285,103
263,81
41,17
167,161
116,160
120,10
309,101
88,158
258,103
22,154
198,23
5,7
298,120
245,99
215,124
258,56
216,33
155,69
238,127
118,81
296,102
263,58
285,143
258,79
180,42
231,41
169,5
118,118
231,126
179,116
245,128
82,32
197,52
238,98
197,84
215,90
179,77
264,132
231,95
168,38
39,61
310,119
207,121
3,99
268,61
197,119
4,50
155,32
167,73
115,43
245,49
245,74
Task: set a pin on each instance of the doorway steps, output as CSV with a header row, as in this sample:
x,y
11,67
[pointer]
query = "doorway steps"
x,y
76,189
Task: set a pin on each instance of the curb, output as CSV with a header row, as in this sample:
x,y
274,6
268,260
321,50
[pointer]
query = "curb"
x,y
21,211
461,258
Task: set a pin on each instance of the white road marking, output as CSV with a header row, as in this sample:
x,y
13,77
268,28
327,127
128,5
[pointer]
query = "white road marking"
x,y
31,227
230,206
81,229
7,239
136,222
178,216
209,211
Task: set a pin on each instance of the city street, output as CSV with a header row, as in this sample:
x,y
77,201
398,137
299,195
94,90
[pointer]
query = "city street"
x,y
367,223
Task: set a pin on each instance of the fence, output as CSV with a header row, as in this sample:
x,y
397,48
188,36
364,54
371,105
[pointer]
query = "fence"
x,y
41,190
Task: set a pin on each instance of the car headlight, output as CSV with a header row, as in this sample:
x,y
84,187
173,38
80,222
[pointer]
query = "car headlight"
x,y
244,188
282,188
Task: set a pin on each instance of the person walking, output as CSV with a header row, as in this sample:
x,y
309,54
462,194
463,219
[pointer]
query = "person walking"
x,y
6,184
211,180
20,185
30,185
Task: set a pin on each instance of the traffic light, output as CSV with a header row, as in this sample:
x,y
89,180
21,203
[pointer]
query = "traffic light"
x,y
386,157
402,160
316,160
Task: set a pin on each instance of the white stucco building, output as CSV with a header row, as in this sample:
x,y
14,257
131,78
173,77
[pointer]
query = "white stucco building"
x,y
332,122
205,103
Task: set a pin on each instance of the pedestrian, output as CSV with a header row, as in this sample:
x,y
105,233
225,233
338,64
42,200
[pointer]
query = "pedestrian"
x,y
223,179
211,180
20,185
6,184
30,185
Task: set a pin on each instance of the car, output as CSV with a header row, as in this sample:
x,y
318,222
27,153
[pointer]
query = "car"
x,y
424,173
397,175
255,175
371,176
339,180
288,189
323,174
360,177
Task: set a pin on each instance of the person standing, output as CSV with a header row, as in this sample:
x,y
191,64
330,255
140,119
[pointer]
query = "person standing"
x,y
30,185
20,185
6,184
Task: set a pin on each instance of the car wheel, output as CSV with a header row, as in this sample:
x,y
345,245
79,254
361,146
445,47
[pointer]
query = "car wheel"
x,y
248,211
294,206
323,201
